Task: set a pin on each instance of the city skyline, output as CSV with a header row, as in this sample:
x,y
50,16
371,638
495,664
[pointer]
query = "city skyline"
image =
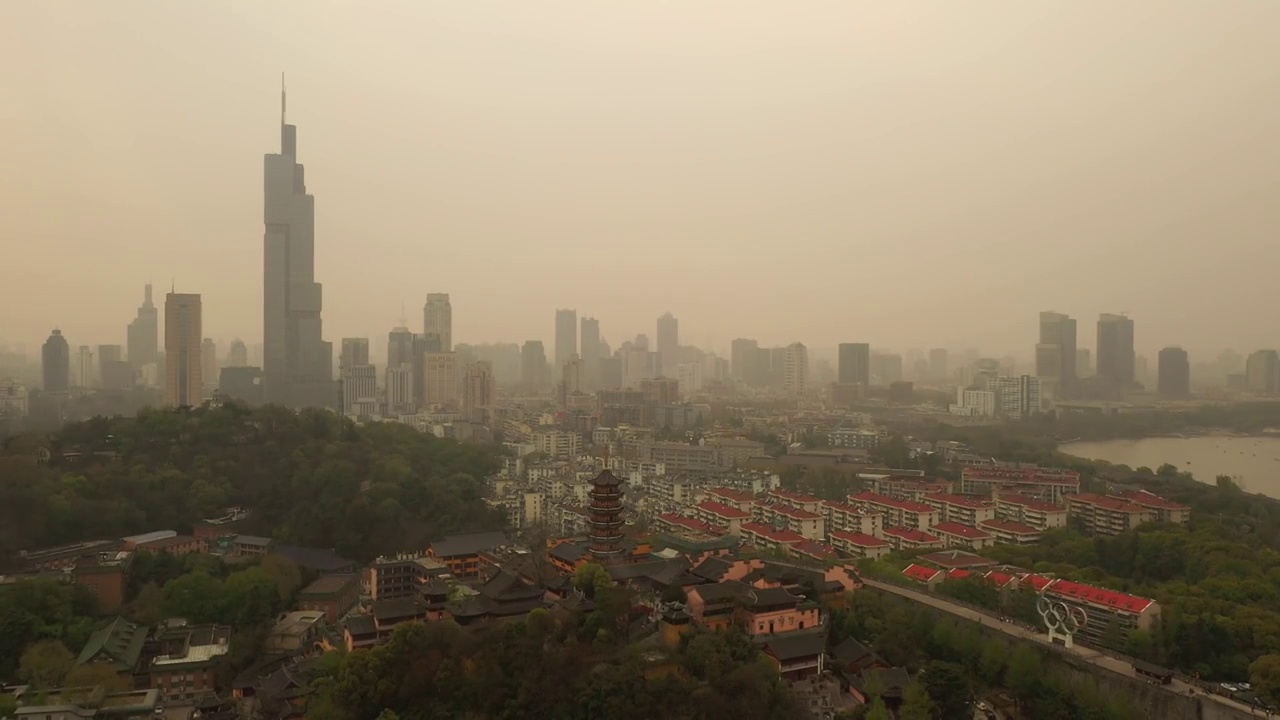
x,y
1064,232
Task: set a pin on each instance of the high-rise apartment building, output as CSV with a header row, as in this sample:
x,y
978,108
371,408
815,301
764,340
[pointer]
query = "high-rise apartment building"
x,y
886,367
1173,373
1262,372
742,359
399,389
566,336
668,344
570,379
479,391
691,376
853,365
795,369
423,345
355,351
1016,397
1084,363
1115,361
441,381
238,354
1056,351
590,339
938,364
82,368
143,337
437,319
533,365
640,364
209,365
184,371
55,363
399,347
297,362
359,390
113,372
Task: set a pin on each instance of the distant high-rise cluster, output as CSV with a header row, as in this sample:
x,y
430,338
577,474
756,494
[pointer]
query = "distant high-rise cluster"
x,y
652,379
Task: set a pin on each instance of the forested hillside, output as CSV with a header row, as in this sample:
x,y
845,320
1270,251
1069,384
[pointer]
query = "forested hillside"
x,y
310,478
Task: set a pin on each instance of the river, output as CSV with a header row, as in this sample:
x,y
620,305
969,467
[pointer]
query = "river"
x,y
1253,461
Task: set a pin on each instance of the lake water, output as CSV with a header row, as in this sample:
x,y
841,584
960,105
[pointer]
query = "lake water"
x,y
1255,461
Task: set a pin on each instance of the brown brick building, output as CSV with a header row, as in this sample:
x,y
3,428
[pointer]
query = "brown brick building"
x,y
332,594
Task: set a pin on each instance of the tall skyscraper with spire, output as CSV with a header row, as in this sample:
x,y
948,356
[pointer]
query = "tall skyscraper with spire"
x,y
143,336
297,362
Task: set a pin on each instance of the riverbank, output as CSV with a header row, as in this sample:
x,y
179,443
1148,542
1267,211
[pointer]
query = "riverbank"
x,y
1251,461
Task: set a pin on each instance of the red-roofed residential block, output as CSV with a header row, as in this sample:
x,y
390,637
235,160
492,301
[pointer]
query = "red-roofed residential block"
x,y
965,536
795,498
859,545
721,514
866,497
809,524
765,537
1050,484
902,538
1100,597
677,523
960,508
732,497
722,510
851,518
1027,510
1106,610
1165,510
1035,582
958,574
1011,533
795,512
958,500
910,487
1102,515
897,512
814,550
923,574
999,579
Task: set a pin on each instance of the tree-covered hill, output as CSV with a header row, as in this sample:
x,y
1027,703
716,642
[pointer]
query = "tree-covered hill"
x,y
310,478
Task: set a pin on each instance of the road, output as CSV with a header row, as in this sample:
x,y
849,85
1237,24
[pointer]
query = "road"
x,y
1089,655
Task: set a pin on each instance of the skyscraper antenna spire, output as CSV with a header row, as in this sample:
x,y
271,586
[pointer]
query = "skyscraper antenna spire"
x,y
282,105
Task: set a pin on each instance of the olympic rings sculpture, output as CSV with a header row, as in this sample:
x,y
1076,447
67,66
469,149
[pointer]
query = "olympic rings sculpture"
x,y
1060,617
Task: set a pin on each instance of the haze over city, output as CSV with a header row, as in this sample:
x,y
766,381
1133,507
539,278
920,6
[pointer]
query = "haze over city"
x,y
909,174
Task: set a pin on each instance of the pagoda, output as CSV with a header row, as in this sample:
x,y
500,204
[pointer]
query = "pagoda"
x,y
605,508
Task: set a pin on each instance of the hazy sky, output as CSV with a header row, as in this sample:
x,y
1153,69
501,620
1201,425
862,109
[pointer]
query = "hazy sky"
x,y
906,173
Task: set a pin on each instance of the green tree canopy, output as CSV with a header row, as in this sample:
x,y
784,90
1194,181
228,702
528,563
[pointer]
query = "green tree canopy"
x,y
45,664
592,579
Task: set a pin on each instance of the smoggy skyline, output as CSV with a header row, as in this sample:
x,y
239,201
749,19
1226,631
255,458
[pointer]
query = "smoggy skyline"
x,y
905,174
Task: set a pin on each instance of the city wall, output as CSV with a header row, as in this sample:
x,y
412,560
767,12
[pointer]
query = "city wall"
x,y
1155,702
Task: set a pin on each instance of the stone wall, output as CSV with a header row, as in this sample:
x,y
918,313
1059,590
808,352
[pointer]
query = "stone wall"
x,y
1155,702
